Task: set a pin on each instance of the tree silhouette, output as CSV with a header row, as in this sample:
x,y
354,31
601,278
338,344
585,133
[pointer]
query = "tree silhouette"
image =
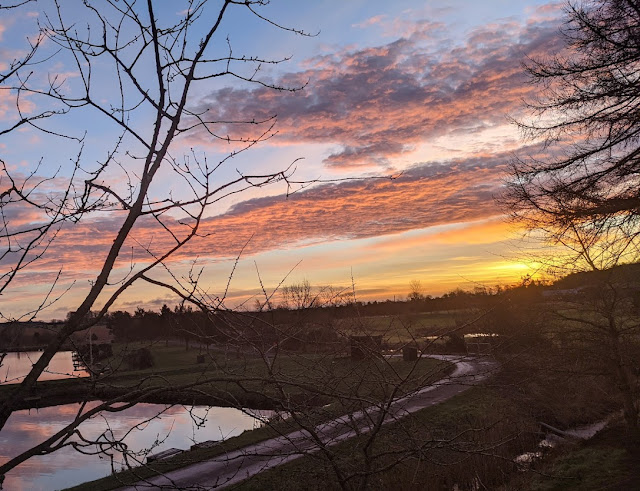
x,y
588,114
582,190
153,63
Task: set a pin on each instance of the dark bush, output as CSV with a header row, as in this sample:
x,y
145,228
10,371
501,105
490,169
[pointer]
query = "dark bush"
x,y
455,343
139,359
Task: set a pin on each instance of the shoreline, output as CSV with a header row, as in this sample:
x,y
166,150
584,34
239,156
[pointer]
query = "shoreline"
x,y
71,391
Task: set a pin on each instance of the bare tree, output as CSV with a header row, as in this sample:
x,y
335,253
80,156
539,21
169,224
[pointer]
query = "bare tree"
x,y
153,64
582,193
136,71
299,296
588,115
416,291
334,296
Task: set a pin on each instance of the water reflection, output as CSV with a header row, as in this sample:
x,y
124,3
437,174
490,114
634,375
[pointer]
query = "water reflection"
x,y
16,366
176,426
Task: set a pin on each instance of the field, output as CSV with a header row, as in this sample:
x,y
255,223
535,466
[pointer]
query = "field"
x,y
318,388
232,379
400,330
469,440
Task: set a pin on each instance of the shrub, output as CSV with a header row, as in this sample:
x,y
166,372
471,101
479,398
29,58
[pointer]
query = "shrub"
x,y
139,359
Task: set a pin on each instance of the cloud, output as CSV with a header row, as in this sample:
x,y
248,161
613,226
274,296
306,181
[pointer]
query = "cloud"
x,y
374,104
477,233
542,13
376,19
424,196
474,233
369,106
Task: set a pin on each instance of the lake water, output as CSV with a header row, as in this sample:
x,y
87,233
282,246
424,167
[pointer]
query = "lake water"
x,y
16,366
176,426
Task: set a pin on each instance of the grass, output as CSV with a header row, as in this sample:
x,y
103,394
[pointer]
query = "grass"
x,y
406,328
342,377
604,462
232,379
584,468
472,436
311,379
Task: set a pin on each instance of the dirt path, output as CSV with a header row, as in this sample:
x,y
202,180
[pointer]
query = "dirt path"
x,y
233,467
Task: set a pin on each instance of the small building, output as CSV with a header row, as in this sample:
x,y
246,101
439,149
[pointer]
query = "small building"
x,y
410,353
92,345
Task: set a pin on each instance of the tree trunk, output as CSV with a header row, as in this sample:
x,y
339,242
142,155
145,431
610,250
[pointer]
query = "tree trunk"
x,y
625,386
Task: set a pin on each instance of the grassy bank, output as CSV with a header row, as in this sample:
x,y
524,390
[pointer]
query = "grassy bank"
x,y
608,461
371,380
146,471
238,380
471,438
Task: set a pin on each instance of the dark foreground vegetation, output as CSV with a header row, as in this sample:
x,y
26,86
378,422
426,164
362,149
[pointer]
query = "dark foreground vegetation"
x,y
600,463
569,354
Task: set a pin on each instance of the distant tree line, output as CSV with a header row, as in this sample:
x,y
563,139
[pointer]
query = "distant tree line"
x,y
181,322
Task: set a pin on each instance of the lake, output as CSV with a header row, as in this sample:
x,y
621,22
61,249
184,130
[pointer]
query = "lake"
x,y
17,365
177,426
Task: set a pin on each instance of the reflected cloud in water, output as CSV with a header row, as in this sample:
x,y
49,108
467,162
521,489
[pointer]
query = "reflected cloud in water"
x,y
149,428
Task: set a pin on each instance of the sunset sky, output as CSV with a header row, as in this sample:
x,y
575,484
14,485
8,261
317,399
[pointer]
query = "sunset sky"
x,y
420,91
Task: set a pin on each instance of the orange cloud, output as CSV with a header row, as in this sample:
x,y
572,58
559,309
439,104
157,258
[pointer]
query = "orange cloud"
x,y
485,232
425,196
468,233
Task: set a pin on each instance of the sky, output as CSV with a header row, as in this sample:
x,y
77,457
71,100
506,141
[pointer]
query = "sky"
x,y
400,140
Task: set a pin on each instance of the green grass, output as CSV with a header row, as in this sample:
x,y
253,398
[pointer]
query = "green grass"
x,y
307,379
318,376
475,434
228,380
608,461
338,380
583,468
406,328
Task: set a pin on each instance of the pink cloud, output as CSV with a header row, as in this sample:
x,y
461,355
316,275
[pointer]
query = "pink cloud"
x,y
376,19
426,195
546,12
374,104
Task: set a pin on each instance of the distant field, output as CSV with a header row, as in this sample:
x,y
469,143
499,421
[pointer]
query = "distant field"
x,y
341,384
230,375
405,328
